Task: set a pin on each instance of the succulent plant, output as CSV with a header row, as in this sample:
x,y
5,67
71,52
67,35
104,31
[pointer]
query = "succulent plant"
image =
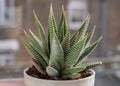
x,y
59,55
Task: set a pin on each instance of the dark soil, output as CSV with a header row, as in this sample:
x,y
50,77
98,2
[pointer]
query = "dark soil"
x,y
32,71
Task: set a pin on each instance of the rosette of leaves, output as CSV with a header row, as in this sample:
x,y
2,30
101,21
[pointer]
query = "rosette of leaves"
x,y
59,55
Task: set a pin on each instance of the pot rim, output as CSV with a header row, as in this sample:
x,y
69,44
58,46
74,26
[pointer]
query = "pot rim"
x,y
83,79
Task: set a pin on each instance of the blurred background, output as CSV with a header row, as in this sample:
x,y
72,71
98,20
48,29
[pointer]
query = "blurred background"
x,y
16,16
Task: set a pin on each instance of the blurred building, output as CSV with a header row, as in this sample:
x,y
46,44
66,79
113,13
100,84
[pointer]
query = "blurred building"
x,y
105,15
10,24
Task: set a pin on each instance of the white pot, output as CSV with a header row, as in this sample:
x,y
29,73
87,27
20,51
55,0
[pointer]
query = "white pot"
x,y
32,81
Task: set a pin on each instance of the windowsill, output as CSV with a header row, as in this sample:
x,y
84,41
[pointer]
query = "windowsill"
x,y
7,24
12,82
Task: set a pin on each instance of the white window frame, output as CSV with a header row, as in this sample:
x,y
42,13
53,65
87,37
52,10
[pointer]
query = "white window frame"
x,y
10,10
2,10
73,5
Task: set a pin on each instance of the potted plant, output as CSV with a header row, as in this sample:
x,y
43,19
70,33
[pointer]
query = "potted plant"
x,y
58,59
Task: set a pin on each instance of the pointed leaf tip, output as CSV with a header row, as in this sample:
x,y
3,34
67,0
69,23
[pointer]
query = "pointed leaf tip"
x,y
51,8
63,8
33,11
91,65
24,32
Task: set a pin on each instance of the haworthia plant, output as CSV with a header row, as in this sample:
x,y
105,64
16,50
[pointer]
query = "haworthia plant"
x,y
58,55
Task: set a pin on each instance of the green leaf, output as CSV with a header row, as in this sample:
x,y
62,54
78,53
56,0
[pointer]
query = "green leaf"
x,y
87,51
91,65
71,76
34,40
43,55
57,53
38,66
54,64
81,32
36,44
53,20
52,71
90,37
62,26
65,20
35,54
73,70
74,52
42,33
66,43
73,39
52,26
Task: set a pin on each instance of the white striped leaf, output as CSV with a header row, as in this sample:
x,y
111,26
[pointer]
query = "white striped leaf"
x,y
35,54
38,66
71,76
36,44
42,33
81,32
87,51
66,43
91,65
62,26
56,53
73,70
89,37
74,52
52,28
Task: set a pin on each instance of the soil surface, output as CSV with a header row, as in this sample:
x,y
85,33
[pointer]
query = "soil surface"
x,y
32,71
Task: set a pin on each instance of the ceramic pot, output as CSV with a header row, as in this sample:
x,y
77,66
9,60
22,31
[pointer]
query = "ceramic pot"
x,y
32,81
